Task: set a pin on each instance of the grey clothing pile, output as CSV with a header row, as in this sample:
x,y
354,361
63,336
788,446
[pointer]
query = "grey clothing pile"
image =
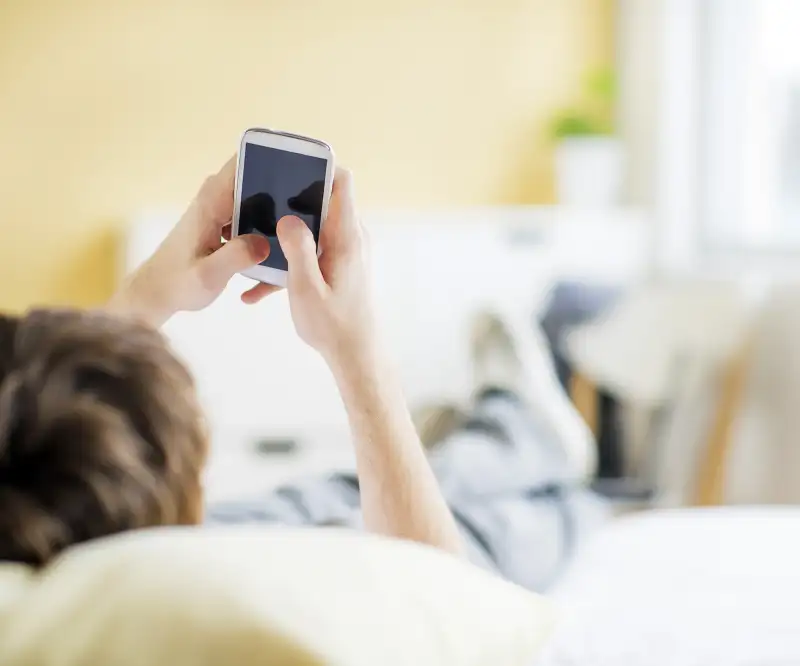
x,y
520,507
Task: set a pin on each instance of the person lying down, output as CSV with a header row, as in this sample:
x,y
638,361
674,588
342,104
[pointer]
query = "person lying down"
x,y
101,431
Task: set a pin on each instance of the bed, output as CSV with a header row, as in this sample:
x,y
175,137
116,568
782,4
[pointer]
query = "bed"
x,y
705,587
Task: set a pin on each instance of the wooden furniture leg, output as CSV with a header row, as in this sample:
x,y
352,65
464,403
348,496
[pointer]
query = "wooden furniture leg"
x,y
713,467
585,398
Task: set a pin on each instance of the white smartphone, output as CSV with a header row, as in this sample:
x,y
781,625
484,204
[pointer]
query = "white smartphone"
x,y
278,174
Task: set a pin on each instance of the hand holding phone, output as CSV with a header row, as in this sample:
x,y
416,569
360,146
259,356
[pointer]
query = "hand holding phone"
x,y
192,266
329,295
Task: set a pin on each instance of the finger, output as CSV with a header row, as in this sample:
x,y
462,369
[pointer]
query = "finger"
x,y
227,174
259,292
343,190
297,243
215,198
341,229
239,254
226,231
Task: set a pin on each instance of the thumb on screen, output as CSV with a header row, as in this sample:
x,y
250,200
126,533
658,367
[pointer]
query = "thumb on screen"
x,y
236,255
297,243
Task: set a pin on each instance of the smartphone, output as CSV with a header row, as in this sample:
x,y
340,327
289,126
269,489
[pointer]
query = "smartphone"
x,y
279,174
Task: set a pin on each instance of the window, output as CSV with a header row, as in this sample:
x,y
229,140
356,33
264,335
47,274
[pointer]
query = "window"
x,y
750,124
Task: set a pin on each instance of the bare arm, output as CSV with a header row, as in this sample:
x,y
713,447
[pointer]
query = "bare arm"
x,y
332,311
399,493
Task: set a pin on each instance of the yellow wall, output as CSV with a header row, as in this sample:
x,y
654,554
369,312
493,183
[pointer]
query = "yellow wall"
x,y
108,106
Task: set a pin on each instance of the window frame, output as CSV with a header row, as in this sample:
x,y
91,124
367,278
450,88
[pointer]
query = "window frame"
x,y
689,197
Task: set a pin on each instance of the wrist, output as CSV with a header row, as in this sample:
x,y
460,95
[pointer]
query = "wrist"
x,y
362,363
130,303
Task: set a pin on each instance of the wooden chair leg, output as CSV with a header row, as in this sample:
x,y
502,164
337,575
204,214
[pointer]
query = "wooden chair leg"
x,y
713,467
585,398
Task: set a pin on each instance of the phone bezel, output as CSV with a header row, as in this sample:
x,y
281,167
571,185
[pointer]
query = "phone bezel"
x,y
293,143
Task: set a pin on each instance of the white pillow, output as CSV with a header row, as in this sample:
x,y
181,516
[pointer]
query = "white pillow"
x,y
263,596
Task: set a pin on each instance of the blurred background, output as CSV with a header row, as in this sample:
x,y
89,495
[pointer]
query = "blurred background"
x,y
625,173
109,108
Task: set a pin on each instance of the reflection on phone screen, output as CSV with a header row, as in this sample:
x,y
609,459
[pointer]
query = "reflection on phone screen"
x,y
277,183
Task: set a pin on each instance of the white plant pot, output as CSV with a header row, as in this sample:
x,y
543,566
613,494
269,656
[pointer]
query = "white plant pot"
x,y
589,171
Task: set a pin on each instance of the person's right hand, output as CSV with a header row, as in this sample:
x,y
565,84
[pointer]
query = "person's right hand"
x,y
329,296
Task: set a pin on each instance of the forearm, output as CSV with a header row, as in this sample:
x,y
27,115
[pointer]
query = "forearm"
x,y
399,493
130,302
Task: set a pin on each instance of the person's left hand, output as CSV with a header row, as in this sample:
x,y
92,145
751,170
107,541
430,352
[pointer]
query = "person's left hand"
x,y
191,268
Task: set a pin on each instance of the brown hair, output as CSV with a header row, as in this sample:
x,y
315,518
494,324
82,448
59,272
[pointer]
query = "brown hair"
x,y
100,432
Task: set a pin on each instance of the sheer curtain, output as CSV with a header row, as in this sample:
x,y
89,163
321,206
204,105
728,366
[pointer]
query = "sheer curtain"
x,y
750,109
710,110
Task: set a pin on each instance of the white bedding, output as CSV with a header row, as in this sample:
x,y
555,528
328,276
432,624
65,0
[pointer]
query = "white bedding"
x,y
684,588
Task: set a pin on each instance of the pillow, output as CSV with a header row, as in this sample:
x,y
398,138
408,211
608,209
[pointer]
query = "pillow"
x,y
188,596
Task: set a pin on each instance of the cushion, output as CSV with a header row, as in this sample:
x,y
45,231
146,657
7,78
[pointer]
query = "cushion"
x,y
263,596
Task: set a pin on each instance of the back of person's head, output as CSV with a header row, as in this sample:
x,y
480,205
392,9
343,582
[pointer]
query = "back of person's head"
x,y
100,432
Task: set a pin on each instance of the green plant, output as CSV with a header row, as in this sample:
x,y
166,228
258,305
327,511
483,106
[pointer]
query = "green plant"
x,y
593,115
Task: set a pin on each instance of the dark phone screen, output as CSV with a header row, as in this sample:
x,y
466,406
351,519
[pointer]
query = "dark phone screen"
x,y
276,183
